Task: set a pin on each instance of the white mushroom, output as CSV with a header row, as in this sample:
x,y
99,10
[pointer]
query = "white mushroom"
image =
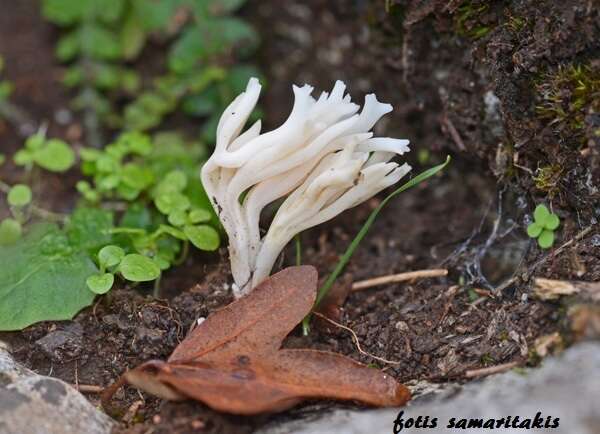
x,y
323,158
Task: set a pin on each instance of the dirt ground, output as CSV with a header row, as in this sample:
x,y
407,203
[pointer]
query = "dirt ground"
x,y
453,92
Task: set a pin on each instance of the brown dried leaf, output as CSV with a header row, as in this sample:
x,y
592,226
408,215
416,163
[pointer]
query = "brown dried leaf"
x,y
233,362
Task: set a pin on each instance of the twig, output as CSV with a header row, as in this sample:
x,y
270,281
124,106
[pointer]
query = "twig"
x,y
132,410
453,133
88,388
401,277
551,289
491,370
355,339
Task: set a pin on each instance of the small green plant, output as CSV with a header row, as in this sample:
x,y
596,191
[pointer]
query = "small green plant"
x,y
99,43
199,79
133,267
95,46
543,226
141,207
53,155
165,210
18,198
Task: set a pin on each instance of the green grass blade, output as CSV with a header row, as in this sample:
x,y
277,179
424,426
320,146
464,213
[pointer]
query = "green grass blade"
x,y
367,225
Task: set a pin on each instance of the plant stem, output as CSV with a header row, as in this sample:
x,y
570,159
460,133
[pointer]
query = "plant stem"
x,y
156,291
298,243
133,231
184,253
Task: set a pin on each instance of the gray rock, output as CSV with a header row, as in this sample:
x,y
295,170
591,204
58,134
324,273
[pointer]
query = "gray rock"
x,y
36,404
567,387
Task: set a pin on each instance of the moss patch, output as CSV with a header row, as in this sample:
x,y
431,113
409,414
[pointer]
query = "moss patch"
x,y
566,96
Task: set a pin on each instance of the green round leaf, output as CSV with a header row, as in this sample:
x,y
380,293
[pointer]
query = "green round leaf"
x,y
107,163
109,256
552,222
534,230
100,283
35,142
23,157
177,218
170,202
546,239
19,195
177,180
56,156
99,42
107,182
173,182
67,47
199,215
107,77
138,268
87,191
130,81
10,231
540,214
137,177
89,154
162,263
203,237
73,76
83,186
127,192
137,142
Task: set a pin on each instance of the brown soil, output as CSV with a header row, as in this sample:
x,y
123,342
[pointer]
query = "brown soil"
x,y
469,220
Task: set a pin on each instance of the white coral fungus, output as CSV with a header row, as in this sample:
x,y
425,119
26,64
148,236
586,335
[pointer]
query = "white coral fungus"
x,y
323,158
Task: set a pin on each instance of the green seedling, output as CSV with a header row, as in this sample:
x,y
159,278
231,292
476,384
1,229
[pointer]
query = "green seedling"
x,y
53,155
165,212
139,268
11,229
142,207
19,195
543,226
109,257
